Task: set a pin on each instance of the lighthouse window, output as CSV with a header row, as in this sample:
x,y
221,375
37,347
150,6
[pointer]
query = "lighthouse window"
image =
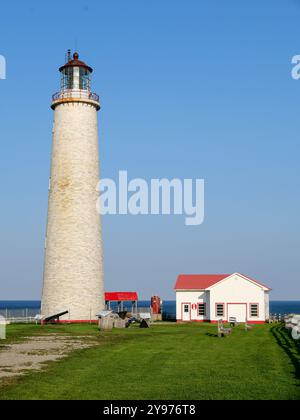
x,y
84,79
67,78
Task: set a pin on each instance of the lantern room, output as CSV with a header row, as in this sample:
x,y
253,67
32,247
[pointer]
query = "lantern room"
x,y
75,83
75,74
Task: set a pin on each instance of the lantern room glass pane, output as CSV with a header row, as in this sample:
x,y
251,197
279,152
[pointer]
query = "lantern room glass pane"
x,y
67,78
84,79
74,77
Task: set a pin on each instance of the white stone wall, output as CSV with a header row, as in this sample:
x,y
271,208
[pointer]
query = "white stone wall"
x,y
73,271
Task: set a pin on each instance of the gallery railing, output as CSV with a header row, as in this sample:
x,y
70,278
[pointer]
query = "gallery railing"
x,y
73,93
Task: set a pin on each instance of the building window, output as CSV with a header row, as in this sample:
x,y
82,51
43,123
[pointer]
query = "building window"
x,y
186,308
253,309
201,309
220,309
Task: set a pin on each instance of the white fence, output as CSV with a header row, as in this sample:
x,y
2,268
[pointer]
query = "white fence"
x,y
26,315
21,320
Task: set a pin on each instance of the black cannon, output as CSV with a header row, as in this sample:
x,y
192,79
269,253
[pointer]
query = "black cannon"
x,y
53,319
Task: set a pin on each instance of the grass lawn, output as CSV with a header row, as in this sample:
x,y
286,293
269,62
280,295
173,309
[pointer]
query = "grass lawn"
x,y
165,362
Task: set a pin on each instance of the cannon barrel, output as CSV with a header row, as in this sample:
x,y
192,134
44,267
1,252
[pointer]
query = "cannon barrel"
x,y
55,317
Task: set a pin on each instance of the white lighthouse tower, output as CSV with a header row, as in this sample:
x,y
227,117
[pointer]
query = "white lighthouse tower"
x,y
73,269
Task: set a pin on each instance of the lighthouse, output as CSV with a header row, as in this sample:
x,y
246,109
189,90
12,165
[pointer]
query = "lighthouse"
x,y
73,265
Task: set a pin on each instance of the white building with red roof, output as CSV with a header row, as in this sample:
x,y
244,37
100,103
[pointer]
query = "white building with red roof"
x,y
211,297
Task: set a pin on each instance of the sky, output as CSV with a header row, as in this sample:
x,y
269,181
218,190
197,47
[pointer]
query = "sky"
x,y
189,89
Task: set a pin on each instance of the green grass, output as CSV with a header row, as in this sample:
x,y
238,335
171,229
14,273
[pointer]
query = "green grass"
x,y
165,362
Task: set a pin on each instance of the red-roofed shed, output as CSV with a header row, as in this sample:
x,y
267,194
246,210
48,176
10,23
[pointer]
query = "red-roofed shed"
x,y
120,298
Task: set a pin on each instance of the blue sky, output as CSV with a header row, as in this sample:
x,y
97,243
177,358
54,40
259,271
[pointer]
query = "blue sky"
x,y
189,89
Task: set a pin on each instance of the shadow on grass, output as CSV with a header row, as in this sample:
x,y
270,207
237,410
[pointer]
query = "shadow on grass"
x,y
290,346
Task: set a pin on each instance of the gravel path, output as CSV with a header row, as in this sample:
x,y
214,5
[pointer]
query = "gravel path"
x,y
19,358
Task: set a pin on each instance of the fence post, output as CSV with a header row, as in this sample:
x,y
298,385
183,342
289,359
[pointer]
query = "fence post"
x,y
2,328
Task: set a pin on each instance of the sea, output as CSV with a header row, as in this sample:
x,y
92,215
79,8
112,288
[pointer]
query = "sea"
x,y
30,308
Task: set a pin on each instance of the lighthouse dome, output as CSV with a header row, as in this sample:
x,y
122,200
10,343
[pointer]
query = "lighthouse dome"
x,y
75,62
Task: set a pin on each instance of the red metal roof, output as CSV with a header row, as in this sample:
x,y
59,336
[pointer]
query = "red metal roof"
x,y
198,281
121,296
204,281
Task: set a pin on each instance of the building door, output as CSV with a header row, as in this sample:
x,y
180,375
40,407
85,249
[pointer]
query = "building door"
x,y
238,311
186,312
